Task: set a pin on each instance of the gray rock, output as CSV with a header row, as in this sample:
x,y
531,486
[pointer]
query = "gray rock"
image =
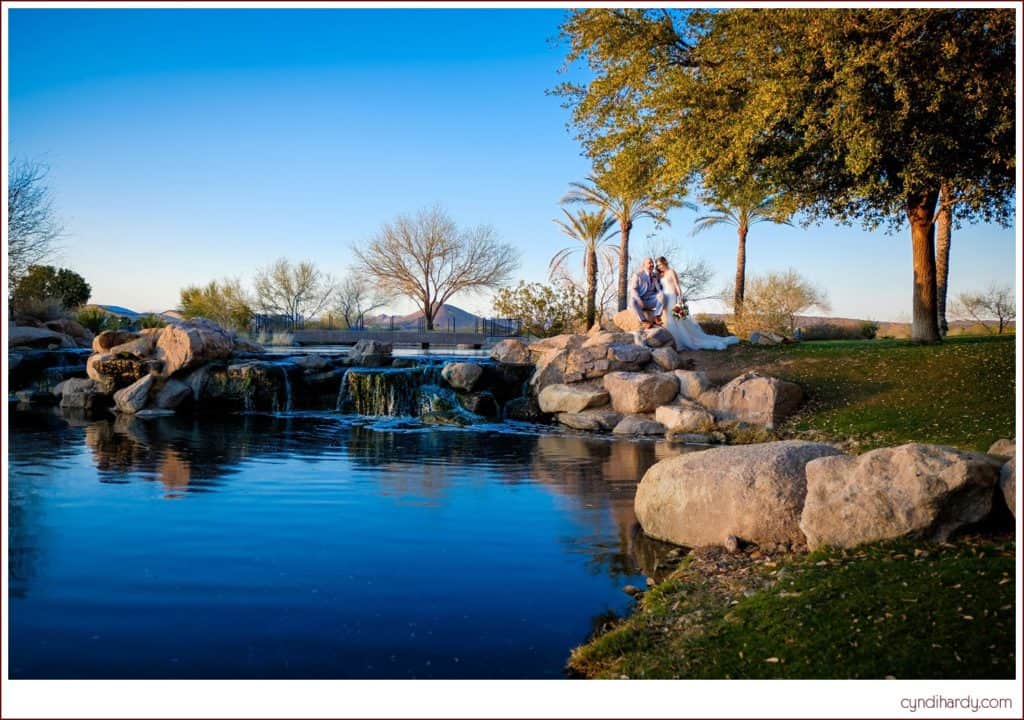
x,y
913,490
511,352
1008,484
633,393
757,400
604,339
558,342
755,492
732,543
599,420
524,409
570,398
638,425
666,358
172,394
656,337
133,398
18,335
550,369
685,417
462,375
692,383
626,357
1003,448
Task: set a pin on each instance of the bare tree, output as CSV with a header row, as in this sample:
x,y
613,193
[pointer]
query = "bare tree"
x,y
427,258
32,225
298,291
996,303
357,296
773,301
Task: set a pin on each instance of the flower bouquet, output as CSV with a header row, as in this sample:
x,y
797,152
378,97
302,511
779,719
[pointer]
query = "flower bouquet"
x,y
681,310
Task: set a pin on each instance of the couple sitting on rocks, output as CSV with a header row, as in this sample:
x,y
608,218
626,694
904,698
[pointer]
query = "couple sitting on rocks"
x,y
655,289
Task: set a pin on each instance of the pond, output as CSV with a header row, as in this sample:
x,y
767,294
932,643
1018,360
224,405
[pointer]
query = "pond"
x,y
314,545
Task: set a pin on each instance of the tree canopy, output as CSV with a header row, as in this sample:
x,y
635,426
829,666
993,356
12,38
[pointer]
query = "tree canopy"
x,y
856,114
45,282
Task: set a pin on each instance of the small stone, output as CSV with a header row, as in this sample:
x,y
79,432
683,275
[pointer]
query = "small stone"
x,y
732,543
632,590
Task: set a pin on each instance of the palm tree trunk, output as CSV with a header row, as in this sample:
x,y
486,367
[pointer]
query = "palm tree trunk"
x,y
624,228
943,237
921,212
591,286
741,271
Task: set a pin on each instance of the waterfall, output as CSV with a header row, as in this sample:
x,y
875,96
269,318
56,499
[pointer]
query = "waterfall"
x,y
287,385
339,405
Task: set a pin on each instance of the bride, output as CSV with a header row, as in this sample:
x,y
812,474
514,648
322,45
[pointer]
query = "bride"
x,y
686,332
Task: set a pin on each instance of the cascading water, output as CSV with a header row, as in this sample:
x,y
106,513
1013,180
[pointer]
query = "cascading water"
x,y
400,392
286,385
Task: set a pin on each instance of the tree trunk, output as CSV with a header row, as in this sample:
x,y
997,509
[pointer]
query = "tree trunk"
x,y
921,212
591,286
943,236
624,228
741,271
428,316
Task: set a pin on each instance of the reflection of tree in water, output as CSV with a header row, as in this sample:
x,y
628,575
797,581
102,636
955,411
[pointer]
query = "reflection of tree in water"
x,y
193,454
600,476
38,440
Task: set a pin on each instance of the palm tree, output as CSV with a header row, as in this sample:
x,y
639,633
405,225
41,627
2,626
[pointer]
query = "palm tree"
x,y
625,207
592,230
742,214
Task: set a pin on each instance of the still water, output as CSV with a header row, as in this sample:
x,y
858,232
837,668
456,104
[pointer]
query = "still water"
x,y
313,546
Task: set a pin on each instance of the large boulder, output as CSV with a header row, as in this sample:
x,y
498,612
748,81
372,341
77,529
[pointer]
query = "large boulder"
x,y
111,338
634,393
141,347
587,363
462,375
627,321
753,492
656,337
371,353
113,373
638,425
81,335
1003,448
685,417
915,490
758,400
628,357
666,358
133,398
570,398
692,383
524,409
19,335
605,338
80,394
596,420
172,394
185,346
558,342
549,370
1008,484
511,352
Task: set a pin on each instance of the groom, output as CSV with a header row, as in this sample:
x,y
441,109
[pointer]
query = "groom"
x,y
645,294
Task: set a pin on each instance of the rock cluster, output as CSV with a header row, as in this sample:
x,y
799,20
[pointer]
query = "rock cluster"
x,y
639,378
812,494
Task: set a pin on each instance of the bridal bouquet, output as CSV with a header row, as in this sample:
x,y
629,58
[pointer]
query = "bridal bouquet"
x,y
681,310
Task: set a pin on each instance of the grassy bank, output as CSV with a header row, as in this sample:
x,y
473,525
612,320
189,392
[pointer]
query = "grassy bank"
x,y
874,393
885,610
895,609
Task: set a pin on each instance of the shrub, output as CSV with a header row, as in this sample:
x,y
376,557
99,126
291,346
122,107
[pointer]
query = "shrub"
x,y
37,308
713,326
151,321
43,282
868,329
98,320
830,331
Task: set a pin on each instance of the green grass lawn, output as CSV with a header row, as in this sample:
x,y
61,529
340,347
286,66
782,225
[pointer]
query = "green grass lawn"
x,y
900,609
892,609
874,393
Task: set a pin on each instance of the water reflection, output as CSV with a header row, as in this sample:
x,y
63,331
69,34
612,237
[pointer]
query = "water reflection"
x,y
320,531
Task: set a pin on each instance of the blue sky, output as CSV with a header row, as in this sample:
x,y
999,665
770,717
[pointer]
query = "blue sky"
x,y
189,145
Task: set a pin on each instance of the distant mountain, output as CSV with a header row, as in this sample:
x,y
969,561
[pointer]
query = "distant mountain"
x,y
447,317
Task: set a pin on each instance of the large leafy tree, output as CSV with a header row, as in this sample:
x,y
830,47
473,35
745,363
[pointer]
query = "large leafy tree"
x,y
847,112
45,282
746,210
593,231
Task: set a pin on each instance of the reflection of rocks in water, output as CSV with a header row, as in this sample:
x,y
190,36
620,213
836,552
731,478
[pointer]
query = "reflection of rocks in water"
x,y
656,559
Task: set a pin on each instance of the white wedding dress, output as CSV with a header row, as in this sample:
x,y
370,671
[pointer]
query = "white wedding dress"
x,y
687,332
